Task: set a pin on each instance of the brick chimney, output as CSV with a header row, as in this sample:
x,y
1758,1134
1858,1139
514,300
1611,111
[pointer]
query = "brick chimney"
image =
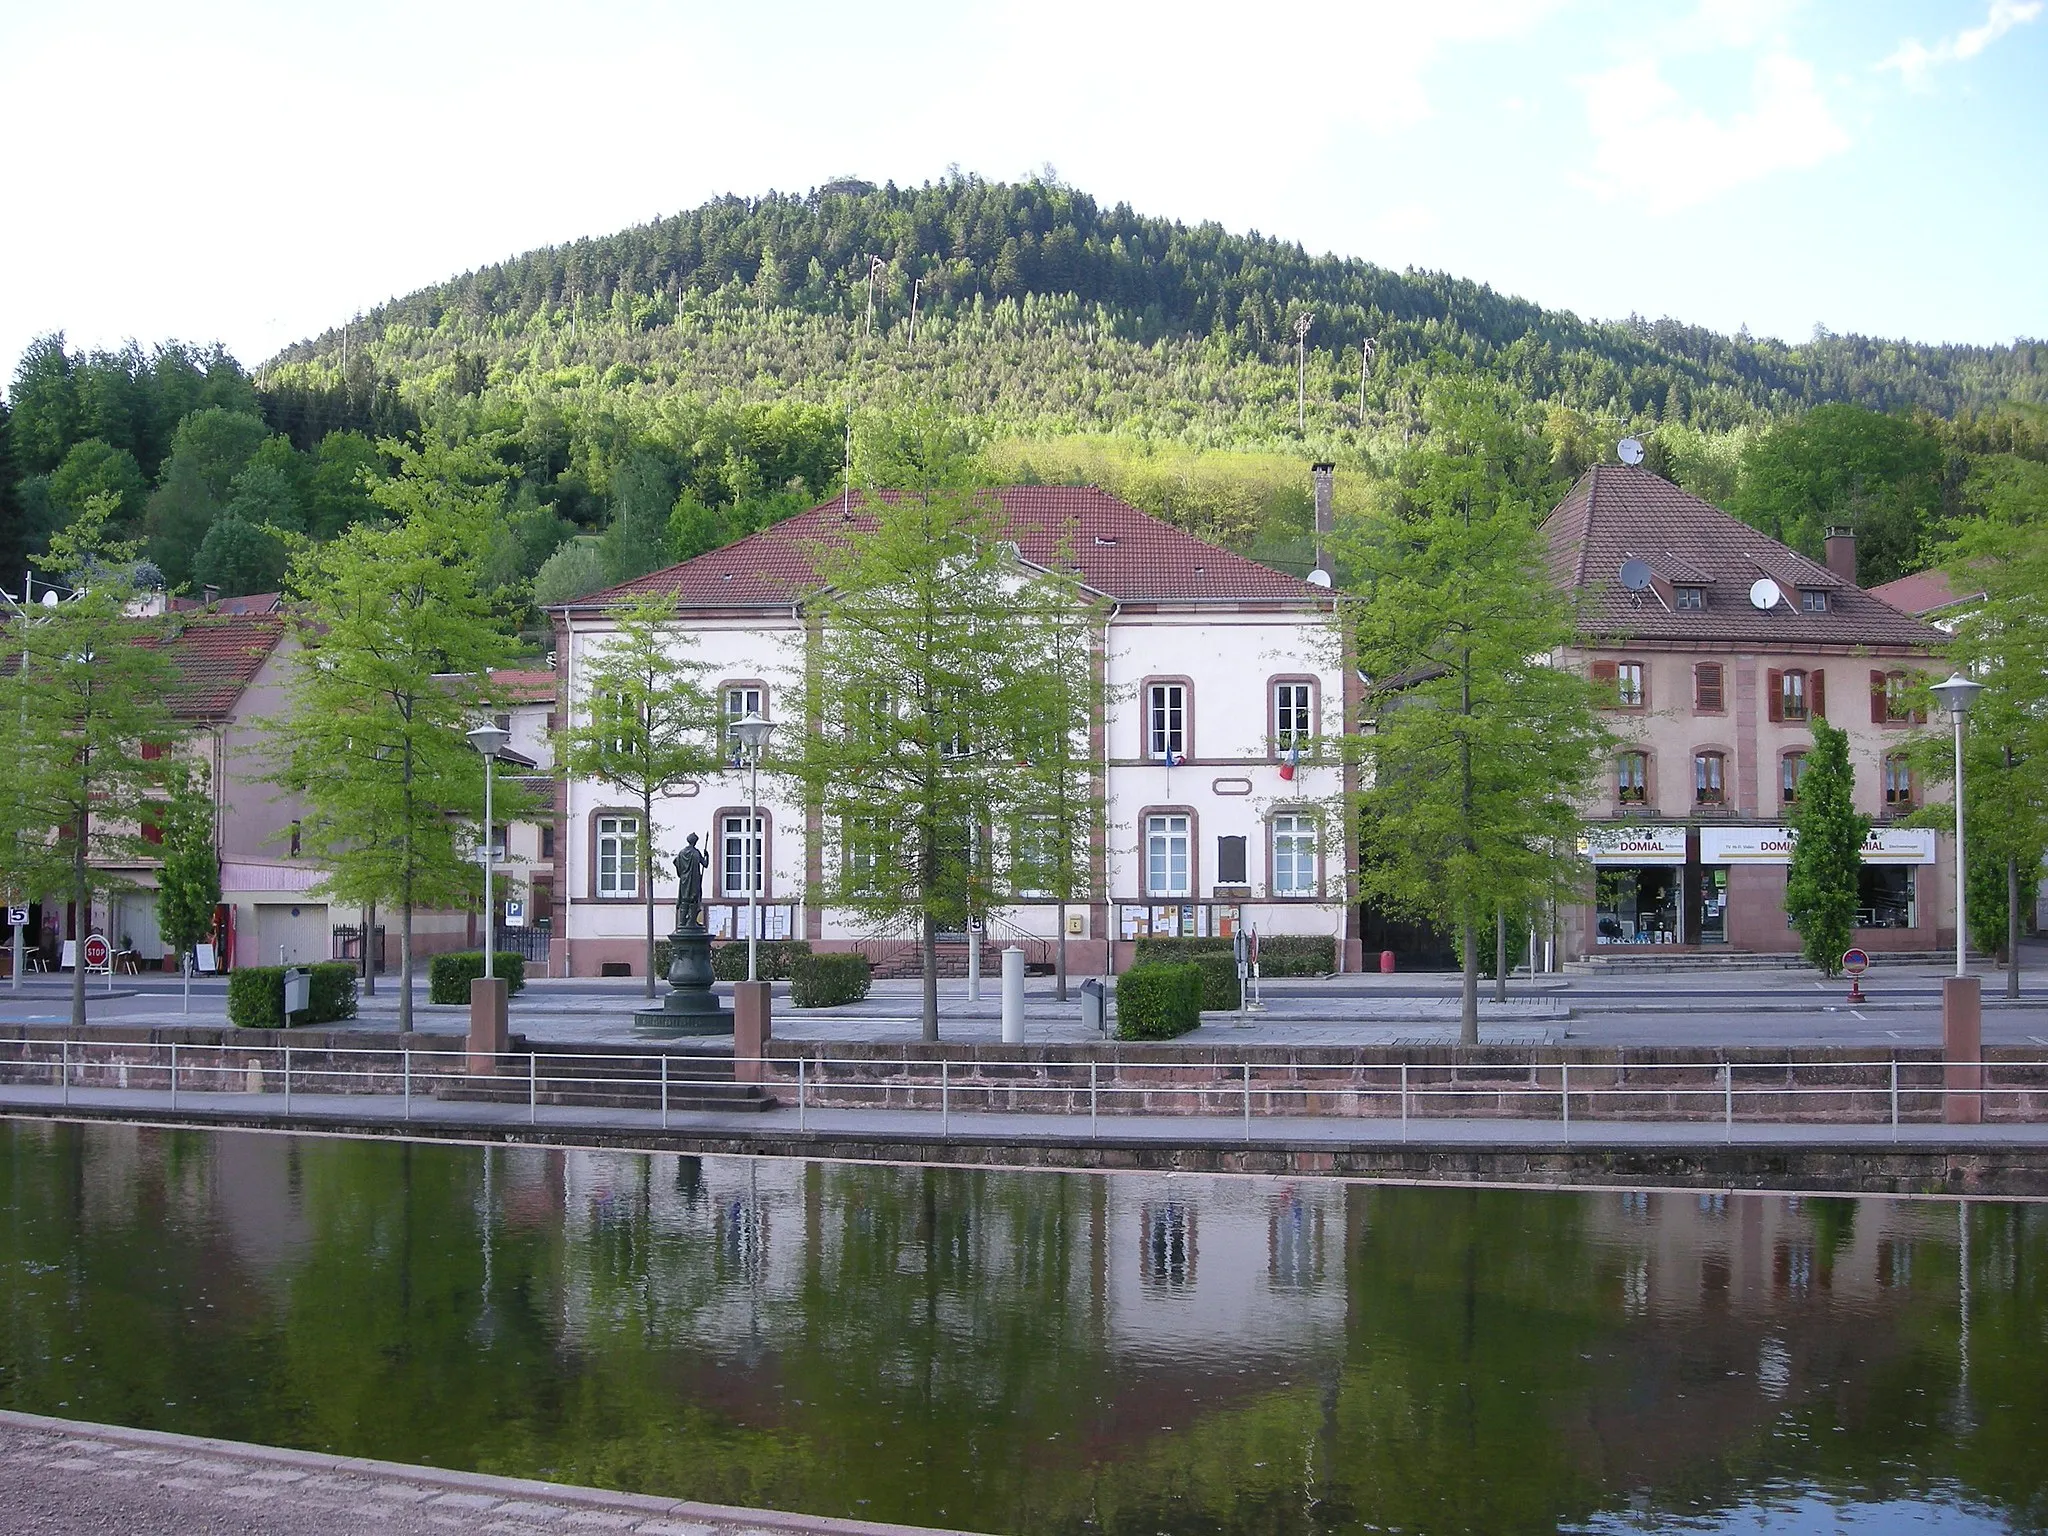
x,y
1841,553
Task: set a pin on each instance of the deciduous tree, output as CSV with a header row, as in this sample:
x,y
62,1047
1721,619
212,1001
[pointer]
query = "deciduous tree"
x,y
188,886
1827,852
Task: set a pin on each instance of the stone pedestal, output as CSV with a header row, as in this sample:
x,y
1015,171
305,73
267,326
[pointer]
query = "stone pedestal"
x,y
1962,1050
752,1024
489,1033
690,1007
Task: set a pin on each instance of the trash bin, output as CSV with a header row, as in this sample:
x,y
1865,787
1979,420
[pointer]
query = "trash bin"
x,y
298,992
1094,1006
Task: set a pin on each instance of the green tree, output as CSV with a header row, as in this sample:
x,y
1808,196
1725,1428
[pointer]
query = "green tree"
x,y
1479,748
1827,852
44,403
209,450
239,557
188,887
934,672
1843,465
87,698
397,646
637,540
95,467
572,571
645,724
344,467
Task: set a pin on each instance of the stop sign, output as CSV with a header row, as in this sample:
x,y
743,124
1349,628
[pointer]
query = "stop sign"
x,y
97,952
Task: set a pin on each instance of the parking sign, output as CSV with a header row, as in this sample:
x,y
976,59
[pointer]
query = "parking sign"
x,y
17,917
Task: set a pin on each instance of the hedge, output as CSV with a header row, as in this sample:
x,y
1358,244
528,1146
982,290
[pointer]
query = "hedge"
x,y
449,976
1282,954
1220,989
825,981
1157,1002
776,960
256,995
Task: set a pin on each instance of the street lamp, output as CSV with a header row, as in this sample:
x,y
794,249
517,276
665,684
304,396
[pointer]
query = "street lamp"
x,y
490,741
1957,695
753,733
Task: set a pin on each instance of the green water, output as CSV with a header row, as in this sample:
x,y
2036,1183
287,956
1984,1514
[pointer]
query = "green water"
x,y
1041,1352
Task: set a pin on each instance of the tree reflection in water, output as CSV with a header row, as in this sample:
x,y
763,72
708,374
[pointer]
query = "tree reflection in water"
x,y
1033,1351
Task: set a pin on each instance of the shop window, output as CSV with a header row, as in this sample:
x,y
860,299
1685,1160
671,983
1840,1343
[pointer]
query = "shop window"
x,y
740,841
1706,688
1294,855
1812,600
1791,769
1708,786
1898,782
1167,840
1689,599
618,856
1632,778
1885,896
1637,905
1166,721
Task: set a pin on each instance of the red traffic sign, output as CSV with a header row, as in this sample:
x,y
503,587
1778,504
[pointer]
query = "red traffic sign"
x,y
97,952
1855,962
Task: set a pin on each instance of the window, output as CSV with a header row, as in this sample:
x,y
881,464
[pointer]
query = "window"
x,y
1792,696
1707,697
616,713
1795,695
1890,699
1036,865
1628,684
862,841
1167,839
739,839
1791,769
153,813
1230,861
298,840
618,855
1898,782
1689,599
1294,855
741,700
1291,715
1166,720
547,842
502,721
1812,600
1707,786
1632,778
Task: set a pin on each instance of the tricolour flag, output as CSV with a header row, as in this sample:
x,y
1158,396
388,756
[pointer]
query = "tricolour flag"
x,y
1289,760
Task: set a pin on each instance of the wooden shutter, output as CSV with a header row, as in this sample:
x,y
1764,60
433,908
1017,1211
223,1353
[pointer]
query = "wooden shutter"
x,y
1816,694
1706,686
1606,675
1879,705
1774,690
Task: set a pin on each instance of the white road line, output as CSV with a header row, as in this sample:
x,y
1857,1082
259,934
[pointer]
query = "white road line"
x,y
1859,1014
2037,1040
1895,1034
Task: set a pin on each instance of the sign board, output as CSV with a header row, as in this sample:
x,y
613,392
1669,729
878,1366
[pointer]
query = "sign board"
x,y
98,952
1634,845
515,914
1773,845
204,959
1855,962
17,917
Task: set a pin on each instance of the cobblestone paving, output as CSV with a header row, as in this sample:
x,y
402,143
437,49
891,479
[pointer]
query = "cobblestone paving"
x,y
61,1478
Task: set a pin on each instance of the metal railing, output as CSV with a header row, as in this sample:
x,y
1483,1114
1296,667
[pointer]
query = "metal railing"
x,y
1880,1091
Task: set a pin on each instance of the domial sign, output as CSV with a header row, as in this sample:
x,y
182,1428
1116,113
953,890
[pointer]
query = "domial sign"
x,y
690,867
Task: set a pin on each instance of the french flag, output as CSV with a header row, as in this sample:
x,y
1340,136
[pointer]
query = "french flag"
x,y
1172,759
1289,761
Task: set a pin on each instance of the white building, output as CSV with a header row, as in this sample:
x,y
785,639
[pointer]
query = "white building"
x,y
1215,668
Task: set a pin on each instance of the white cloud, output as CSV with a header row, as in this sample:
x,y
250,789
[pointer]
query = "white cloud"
x,y
1914,60
1651,148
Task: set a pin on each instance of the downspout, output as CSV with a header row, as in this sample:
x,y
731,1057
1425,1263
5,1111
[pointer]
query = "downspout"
x,y
566,885
1108,745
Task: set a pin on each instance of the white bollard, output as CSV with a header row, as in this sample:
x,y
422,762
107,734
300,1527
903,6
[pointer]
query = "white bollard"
x,y
1013,996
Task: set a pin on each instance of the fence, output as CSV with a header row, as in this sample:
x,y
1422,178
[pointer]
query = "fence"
x,y
1890,1091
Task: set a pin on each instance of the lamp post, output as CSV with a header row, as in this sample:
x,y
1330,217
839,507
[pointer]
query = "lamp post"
x,y
490,741
753,733
1957,695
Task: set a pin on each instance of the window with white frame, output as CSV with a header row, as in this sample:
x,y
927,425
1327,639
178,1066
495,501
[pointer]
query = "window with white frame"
x,y
1294,855
1167,861
739,841
1292,726
1166,720
741,700
1035,855
618,855
861,846
618,714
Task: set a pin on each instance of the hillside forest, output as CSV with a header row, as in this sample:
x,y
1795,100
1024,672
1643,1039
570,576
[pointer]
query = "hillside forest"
x,y
655,393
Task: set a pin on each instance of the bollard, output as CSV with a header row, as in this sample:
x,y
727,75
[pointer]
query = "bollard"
x,y
1013,996
1386,962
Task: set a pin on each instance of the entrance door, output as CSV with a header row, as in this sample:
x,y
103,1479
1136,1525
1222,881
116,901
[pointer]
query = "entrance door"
x,y
1713,906
299,929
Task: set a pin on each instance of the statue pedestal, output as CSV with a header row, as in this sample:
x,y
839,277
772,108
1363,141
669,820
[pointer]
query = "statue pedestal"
x,y
691,1008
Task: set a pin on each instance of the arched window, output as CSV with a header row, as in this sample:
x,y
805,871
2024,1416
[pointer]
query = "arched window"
x,y
1708,780
1898,782
1791,769
1632,778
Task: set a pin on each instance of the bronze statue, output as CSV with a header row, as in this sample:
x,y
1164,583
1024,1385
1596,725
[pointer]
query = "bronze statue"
x,y
690,867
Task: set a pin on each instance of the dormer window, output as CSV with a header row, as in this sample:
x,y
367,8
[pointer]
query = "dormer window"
x,y
1812,600
1689,599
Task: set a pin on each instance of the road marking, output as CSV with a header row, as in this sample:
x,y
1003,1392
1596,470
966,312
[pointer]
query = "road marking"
x,y
2037,1040
1859,1014
1895,1034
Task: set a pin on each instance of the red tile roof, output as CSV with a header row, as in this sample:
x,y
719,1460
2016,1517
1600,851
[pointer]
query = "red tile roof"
x,y
254,603
1126,555
217,656
525,685
1922,593
1620,512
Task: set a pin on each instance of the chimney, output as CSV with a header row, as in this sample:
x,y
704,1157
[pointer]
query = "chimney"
x,y
212,593
1841,553
1326,515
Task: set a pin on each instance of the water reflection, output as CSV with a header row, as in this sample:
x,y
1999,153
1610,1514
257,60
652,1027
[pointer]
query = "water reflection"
x,y
1038,1352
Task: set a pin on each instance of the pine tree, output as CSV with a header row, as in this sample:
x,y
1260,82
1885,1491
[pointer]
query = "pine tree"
x,y
1827,852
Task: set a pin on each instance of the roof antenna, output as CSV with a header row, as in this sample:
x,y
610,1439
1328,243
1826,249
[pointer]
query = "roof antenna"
x,y
846,476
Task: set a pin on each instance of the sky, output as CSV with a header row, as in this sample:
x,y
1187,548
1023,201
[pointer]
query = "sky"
x,y
224,170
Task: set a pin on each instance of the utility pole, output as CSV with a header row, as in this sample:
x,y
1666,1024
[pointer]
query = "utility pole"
x,y
876,267
1366,354
1301,324
916,288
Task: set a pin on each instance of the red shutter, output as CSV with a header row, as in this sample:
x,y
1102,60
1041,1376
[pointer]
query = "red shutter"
x,y
1643,671
1816,695
1918,715
1606,676
152,750
1880,708
1774,690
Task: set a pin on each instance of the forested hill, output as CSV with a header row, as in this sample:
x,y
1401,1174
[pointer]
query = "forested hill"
x,y
1186,328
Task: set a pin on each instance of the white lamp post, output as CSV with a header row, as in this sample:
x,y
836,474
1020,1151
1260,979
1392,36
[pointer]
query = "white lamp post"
x,y
490,741
753,733
1957,695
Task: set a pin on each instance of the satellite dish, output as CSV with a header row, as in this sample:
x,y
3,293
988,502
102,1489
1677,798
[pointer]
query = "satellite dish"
x,y
1318,578
1635,574
1764,593
1631,450
49,599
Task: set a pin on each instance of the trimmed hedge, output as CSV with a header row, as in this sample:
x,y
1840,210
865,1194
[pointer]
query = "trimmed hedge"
x,y
825,981
1220,988
256,995
449,976
776,959
1281,954
1157,1002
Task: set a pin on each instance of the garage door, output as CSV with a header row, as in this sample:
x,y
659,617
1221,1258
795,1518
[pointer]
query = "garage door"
x,y
301,929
